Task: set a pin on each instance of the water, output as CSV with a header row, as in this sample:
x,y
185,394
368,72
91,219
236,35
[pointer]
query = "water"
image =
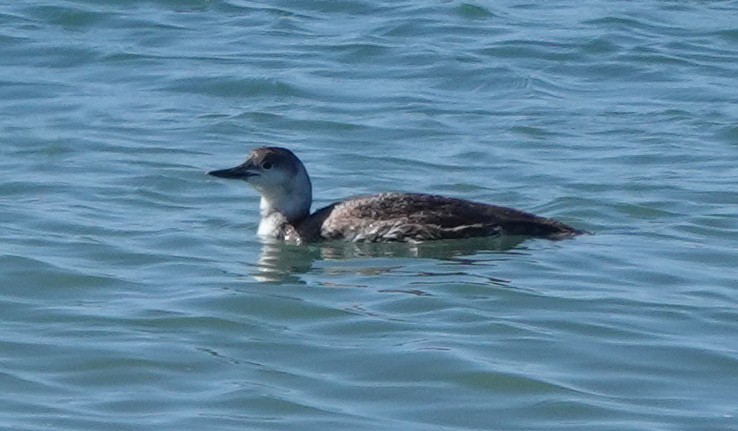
x,y
134,294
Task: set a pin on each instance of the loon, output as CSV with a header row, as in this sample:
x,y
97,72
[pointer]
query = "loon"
x,y
287,194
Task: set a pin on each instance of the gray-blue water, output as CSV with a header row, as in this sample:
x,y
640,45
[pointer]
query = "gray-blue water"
x,y
134,294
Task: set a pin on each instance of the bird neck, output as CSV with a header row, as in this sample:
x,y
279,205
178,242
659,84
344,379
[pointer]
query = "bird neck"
x,y
292,201
288,203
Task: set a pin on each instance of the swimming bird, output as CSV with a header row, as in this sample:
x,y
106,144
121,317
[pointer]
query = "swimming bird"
x,y
287,194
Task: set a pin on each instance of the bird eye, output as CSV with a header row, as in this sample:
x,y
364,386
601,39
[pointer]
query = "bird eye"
x,y
266,165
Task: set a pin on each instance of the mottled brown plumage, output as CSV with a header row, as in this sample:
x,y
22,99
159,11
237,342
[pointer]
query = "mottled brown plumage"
x,y
282,180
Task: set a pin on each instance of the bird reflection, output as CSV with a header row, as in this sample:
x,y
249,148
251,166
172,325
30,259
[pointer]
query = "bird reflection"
x,y
284,262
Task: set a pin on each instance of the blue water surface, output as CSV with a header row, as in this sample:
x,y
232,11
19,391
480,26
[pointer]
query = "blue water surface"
x,y
134,294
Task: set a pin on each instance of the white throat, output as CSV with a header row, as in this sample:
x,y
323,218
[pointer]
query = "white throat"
x,y
280,206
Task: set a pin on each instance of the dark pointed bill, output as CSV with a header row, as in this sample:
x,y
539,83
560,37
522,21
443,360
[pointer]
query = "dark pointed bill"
x,y
240,172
